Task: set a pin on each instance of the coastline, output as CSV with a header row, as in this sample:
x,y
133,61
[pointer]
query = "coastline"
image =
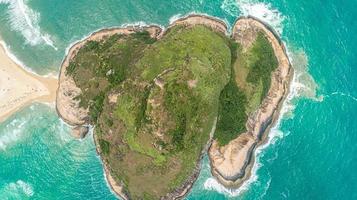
x,y
76,116
114,186
19,87
234,174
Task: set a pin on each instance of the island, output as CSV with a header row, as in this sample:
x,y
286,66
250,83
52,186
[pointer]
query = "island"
x,y
160,99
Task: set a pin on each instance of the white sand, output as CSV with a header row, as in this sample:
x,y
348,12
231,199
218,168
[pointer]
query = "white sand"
x,y
19,88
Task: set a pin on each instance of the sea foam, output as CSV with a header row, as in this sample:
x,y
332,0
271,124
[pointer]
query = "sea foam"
x,y
262,11
26,21
12,133
15,190
21,64
230,7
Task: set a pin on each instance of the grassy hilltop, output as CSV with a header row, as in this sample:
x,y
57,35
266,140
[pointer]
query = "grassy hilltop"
x,y
154,101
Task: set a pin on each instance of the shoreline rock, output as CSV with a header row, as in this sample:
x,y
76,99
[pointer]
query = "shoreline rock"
x,y
232,163
80,132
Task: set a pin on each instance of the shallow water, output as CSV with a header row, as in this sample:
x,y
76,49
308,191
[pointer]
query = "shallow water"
x,y
311,153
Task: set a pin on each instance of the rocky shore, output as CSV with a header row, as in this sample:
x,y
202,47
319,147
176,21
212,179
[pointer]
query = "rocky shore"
x,y
114,186
194,19
232,163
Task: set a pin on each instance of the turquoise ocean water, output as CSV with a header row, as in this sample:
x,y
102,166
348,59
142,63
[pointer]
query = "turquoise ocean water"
x,y
311,153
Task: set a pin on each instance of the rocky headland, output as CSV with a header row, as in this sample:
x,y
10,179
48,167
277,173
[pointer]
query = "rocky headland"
x,y
231,164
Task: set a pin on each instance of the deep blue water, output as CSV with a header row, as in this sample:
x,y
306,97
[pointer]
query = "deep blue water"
x,y
311,153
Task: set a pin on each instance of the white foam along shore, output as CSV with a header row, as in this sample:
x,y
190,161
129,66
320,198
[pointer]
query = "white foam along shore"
x,y
26,21
19,87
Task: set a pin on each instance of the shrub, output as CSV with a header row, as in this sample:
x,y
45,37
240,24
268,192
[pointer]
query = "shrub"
x,y
96,106
71,68
264,63
104,146
231,113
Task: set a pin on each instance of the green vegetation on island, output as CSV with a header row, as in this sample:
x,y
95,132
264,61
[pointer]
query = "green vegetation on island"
x,y
154,102
248,85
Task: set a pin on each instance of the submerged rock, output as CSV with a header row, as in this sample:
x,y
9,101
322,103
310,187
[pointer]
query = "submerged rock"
x,y
80,132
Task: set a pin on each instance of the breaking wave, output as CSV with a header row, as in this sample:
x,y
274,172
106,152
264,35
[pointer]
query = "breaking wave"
x,y
230,7
16,190
343,95
12,133
15,59
262,11
24,20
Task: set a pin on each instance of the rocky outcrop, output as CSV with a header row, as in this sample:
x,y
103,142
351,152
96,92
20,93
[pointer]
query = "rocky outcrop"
x,y
80,132
66,103
192,20
231,164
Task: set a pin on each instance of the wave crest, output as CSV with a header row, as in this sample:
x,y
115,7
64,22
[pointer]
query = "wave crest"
x,y
262,11
230,7
24,20
16,190
12,133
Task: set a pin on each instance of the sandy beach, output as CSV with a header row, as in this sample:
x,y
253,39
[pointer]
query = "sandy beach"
x,y
19,88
